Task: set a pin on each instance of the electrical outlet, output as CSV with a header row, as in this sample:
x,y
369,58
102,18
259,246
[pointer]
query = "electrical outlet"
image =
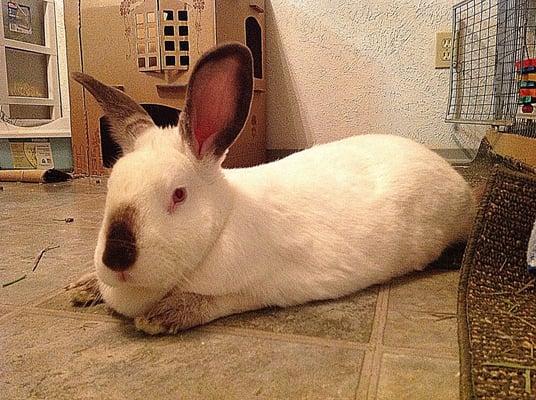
x,y
443,49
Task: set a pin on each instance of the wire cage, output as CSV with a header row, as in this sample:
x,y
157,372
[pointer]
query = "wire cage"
x,y
493,73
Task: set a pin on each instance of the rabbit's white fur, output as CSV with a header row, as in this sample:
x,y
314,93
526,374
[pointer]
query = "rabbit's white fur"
x,y
318,224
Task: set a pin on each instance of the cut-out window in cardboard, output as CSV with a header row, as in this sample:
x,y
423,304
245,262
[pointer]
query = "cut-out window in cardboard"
x,y
254,42
169,45
169,30
167,15
162,36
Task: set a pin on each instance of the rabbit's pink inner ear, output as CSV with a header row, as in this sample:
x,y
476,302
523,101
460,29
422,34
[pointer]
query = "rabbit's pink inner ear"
x,y
214,103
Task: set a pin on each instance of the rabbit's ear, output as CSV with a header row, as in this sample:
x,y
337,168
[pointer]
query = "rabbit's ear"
x,y
127,119
217,100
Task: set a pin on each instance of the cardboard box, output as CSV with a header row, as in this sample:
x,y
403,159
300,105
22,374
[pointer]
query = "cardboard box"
x,y
148,49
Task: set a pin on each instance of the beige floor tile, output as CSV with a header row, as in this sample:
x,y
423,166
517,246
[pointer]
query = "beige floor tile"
x,y
417,378
349,318
430,290
31,227
43,208
62,358
21,204
434,332
57,267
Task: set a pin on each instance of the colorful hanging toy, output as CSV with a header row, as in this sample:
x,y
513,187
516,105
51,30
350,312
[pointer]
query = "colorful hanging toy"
x,y
527,85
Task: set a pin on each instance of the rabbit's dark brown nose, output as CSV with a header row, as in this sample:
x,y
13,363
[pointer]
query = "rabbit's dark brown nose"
x,y
120,251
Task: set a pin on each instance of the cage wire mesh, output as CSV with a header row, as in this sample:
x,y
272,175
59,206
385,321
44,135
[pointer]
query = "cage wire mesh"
x,y
493,42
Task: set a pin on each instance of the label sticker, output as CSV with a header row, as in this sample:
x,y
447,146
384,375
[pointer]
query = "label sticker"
x,y
19,18
43,155
31,155
22,158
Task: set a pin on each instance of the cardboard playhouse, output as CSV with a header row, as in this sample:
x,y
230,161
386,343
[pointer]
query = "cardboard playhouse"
x,y
147,48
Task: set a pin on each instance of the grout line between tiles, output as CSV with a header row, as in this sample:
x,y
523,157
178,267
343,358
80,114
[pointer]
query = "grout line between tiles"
x,y
72,314
19,309
365,374
425,353
370,371
14,311
289,338
380,315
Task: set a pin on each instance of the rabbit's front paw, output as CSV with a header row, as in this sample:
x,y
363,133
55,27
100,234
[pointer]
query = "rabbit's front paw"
x,y
177,311
85,292
151,326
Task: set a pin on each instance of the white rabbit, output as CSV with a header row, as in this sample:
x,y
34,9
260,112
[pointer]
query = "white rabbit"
x,y
184,242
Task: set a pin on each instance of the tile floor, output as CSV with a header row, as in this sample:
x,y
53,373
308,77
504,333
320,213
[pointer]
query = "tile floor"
x,y
396,341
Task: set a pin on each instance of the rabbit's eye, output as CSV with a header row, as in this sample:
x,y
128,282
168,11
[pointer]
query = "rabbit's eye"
x,y
179,195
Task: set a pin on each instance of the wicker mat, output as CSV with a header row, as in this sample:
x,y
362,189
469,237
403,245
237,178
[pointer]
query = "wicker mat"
x,y
497,297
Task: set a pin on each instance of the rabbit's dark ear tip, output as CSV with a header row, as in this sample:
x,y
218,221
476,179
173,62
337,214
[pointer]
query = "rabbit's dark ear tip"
x,y
230,49
80,77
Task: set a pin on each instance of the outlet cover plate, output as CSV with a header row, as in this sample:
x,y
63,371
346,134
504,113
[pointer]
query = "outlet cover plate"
x,y
443,49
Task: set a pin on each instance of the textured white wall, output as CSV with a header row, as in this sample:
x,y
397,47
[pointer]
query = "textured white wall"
x,y
336,68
